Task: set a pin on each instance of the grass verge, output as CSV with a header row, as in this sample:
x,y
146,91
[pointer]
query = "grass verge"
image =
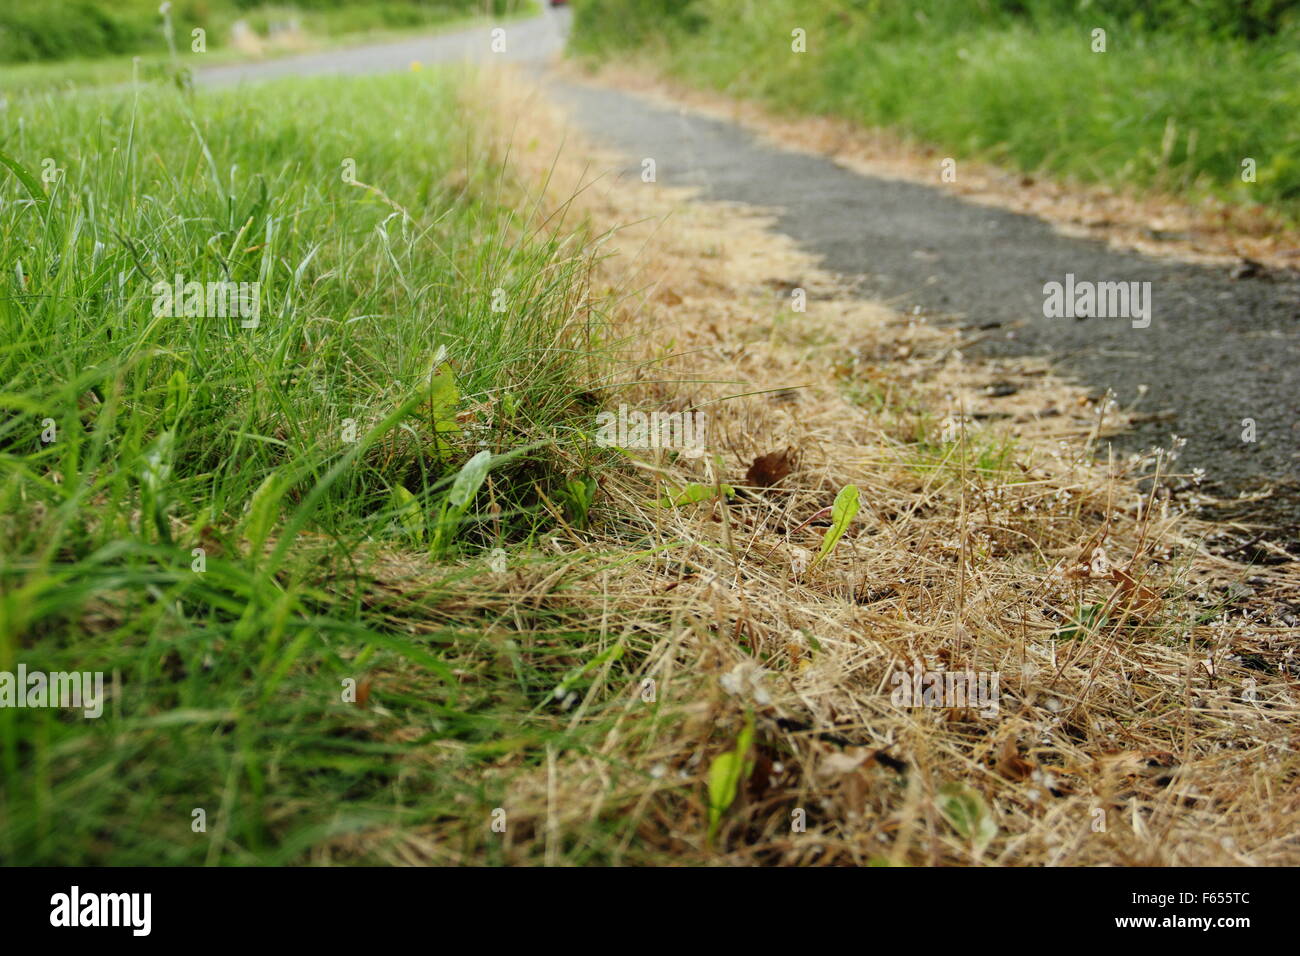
x,y
211,510
1146,695
665,662
978,82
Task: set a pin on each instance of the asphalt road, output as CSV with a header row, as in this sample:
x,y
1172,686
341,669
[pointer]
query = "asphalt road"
x,y
533,41
1217,349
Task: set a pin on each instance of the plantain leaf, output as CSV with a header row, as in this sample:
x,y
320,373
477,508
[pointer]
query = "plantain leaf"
x,y
468,479
843,512
966,812
441,400
155,478
263,510
1087,620
691,494
408,513
577,496
454,506
725,775
571,679
444,397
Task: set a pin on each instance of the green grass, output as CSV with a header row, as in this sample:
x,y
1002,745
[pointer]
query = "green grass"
x,y
60,30
985,457
176,434
1167,106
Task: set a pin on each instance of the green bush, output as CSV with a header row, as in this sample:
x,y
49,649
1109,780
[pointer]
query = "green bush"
x,y
1185,92
60,29
86,29
628,22
1244,19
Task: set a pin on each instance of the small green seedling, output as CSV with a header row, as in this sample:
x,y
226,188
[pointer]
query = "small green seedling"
x,y
968,814
726,773
843,512
1087,620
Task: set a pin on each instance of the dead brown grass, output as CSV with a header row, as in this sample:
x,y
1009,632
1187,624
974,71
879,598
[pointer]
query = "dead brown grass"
x,y
1161,735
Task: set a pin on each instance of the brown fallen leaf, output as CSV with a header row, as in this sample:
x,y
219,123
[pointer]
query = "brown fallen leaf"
x,y
768,469
363,692
1133,597
88,406
1010,764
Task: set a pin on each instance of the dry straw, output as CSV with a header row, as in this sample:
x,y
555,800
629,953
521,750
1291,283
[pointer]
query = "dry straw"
x,y
1143,718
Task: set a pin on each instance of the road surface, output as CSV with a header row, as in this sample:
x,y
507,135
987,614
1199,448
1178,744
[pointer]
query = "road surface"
x,y
1217,350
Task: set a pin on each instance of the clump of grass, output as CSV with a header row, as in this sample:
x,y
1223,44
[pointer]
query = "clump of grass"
x,y
198,505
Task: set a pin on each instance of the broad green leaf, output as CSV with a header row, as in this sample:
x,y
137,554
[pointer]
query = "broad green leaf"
x,y
408,513
468,479
444,398
438,399
1087,620
726,773
466,483
157,468
577,496
577,673
724,777
509,405
691,494
155,475
966,812
843,512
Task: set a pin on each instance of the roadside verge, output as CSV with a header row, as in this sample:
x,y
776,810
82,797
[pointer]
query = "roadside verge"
x,y
1142,708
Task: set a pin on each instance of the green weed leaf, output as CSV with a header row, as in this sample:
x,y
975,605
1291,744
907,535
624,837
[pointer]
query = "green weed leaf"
x,y
263,510
468,479
577,496
843,512
691,494
1087,620
967,813
408,513
726,773
155,477
439,402
454,506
